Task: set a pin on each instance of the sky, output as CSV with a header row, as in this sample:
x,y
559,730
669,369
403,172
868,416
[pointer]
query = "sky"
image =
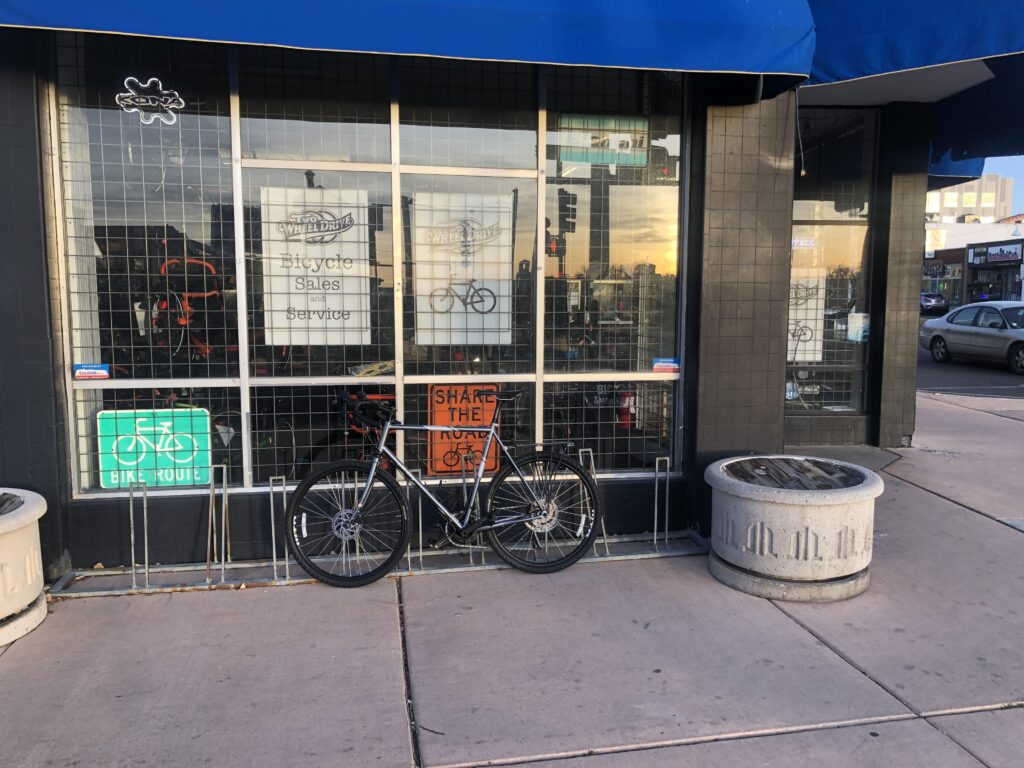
x,y
1012,166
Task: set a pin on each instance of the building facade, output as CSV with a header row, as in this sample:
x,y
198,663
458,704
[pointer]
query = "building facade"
x,y
215,247
987,200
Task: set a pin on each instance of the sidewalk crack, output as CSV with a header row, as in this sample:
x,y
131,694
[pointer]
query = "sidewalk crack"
x,y
410,708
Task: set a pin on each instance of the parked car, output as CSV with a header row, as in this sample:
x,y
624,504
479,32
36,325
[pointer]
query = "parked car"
x,y
991,330
934,304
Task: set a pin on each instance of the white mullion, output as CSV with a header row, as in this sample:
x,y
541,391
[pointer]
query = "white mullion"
x,y
323,165
539,271
455,170
398,262
63,282
318,381
241,283
230,381
612,376
471,378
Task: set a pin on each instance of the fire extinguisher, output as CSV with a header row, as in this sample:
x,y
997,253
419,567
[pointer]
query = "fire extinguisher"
x,y
626,409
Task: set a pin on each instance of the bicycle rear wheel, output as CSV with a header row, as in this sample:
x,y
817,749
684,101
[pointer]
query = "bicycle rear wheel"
x,y
552,527
337,543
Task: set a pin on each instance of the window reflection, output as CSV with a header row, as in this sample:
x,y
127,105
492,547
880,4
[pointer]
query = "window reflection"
x,y
465,113
304,105
612,221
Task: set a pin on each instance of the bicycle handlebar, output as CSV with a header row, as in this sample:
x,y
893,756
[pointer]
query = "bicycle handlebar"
x,y
369,413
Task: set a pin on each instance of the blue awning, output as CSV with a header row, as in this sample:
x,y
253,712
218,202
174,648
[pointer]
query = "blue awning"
x,y
764,37
877,37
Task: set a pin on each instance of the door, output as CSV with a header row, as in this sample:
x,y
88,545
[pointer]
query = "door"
x,y
960,331
989,338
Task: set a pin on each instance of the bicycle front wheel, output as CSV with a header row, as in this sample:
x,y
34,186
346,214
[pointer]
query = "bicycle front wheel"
x,y
334,539
544,520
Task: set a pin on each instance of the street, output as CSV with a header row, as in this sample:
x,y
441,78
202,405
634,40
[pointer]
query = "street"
x,y
967,378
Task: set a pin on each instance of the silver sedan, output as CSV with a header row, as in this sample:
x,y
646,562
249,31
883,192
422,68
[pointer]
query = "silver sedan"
x,y
991,330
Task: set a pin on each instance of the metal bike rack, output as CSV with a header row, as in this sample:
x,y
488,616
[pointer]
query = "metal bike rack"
x,y
661,461
278,482
419,518
132,488
211,524
586,457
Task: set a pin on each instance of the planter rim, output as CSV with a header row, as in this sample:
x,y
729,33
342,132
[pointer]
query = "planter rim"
x,y
870,488
33,508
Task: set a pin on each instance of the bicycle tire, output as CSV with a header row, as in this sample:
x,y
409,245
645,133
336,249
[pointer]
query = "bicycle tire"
x,y
328,512
573,513
483,296
441,300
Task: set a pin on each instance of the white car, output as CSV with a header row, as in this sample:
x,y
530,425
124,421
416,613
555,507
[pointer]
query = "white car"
x,y
989,330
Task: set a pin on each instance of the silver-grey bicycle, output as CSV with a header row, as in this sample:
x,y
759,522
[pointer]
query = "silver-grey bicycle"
x,y
348,524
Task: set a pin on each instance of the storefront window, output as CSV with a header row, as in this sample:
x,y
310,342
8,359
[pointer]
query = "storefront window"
x,y
470,245
468,113
612,221
829,311
411,278
304,105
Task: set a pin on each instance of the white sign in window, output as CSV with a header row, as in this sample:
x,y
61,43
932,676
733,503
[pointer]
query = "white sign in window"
x,y
316,266
806,315
462,255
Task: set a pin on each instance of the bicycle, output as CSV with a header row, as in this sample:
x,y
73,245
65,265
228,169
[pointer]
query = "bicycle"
x,y
480,300
348,524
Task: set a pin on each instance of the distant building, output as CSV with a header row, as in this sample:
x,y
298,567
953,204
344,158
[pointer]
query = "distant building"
x,y
984,201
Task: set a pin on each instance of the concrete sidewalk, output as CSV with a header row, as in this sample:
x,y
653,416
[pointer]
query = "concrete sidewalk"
x,y
638,663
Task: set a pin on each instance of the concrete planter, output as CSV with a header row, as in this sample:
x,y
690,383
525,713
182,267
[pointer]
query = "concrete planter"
x,y
22,602
792,527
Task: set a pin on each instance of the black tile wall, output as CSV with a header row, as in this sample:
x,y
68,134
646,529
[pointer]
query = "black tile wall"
x,y
745,282
32,440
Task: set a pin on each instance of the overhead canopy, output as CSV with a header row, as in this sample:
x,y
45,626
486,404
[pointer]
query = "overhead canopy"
x,y
763,37
909,50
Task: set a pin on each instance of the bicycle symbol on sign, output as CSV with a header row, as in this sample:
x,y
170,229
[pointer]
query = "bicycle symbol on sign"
x,y
132,450
469,294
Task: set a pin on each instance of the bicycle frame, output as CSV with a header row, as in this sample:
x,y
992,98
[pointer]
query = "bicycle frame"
x,y
463,525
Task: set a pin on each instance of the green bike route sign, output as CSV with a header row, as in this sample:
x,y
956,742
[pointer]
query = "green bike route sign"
x,y
162,447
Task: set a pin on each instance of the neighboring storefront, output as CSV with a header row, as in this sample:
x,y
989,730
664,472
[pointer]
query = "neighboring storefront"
x,y
942,273
994,271
236,240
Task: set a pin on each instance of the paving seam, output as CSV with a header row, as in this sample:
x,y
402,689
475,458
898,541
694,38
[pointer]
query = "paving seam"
x,y
410,710
681,742
938,715
987,516
5,649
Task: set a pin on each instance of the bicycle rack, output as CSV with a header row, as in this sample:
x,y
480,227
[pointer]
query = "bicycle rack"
x,y
591,467
661,461
278,481
211,524
419,518
145,532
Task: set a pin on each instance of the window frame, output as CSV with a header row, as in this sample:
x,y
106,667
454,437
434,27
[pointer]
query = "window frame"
x,y
246,383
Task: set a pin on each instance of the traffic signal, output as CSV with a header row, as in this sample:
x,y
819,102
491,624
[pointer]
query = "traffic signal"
x,y
566,211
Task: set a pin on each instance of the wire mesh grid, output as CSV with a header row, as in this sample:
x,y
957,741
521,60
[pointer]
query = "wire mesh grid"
x,y
306,105
297,430
467,113
321,273
148,208
828,328
627,425
161,438
151,245
612,207
469,275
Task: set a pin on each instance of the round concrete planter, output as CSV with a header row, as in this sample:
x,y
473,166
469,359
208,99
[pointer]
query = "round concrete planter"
x,y
775,540
22,603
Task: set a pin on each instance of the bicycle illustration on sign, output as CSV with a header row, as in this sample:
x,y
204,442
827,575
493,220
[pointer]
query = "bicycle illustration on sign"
x,y
470,295
131,450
